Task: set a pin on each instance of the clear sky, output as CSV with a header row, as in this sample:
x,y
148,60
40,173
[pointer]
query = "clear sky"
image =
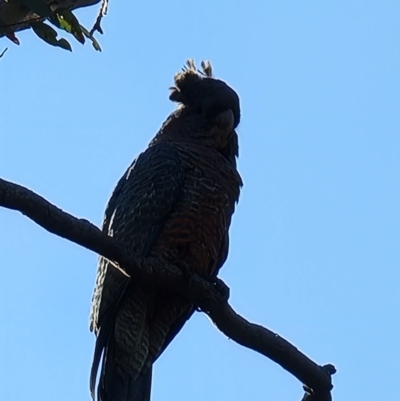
x,y
315,241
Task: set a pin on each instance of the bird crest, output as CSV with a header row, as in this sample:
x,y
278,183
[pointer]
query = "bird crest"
x,y
198,90
187,80
190,68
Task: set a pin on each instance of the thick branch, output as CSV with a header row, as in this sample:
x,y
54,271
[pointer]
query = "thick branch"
x,y
317,379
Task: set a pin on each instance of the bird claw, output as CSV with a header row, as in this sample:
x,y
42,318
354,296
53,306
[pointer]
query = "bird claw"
x,y
187,274
219,286
309,392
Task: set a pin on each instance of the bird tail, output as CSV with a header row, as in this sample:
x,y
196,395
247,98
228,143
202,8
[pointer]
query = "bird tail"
x,y
140,389
117,386
123,376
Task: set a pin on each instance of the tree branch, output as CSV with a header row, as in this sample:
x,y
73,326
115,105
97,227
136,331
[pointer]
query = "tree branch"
x,y
152,272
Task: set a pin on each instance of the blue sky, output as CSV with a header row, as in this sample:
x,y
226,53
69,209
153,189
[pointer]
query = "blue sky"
x,y
315,252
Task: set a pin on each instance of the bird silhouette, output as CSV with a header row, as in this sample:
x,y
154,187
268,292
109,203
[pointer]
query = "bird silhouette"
x,y
175,203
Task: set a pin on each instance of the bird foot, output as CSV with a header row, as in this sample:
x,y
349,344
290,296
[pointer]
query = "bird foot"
x,y
219,285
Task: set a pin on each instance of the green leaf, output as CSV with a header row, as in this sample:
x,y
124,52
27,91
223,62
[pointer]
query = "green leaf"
x,y
69,23
49,35
95,43
64,44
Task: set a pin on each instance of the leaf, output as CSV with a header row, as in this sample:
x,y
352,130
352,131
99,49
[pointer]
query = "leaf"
x,y
69,23
95,43
49,35
39,7
64,44
12,37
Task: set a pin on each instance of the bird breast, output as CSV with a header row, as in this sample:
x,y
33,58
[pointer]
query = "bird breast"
x,y
196,230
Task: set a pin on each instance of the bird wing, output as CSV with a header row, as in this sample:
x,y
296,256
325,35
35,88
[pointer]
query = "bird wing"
x,y
177,325
135,215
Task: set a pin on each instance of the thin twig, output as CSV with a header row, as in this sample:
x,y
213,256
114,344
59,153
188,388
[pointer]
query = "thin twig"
x,y
100,15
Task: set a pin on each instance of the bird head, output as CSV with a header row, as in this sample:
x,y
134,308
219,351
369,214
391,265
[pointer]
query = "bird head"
x,y
208,112
198,90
